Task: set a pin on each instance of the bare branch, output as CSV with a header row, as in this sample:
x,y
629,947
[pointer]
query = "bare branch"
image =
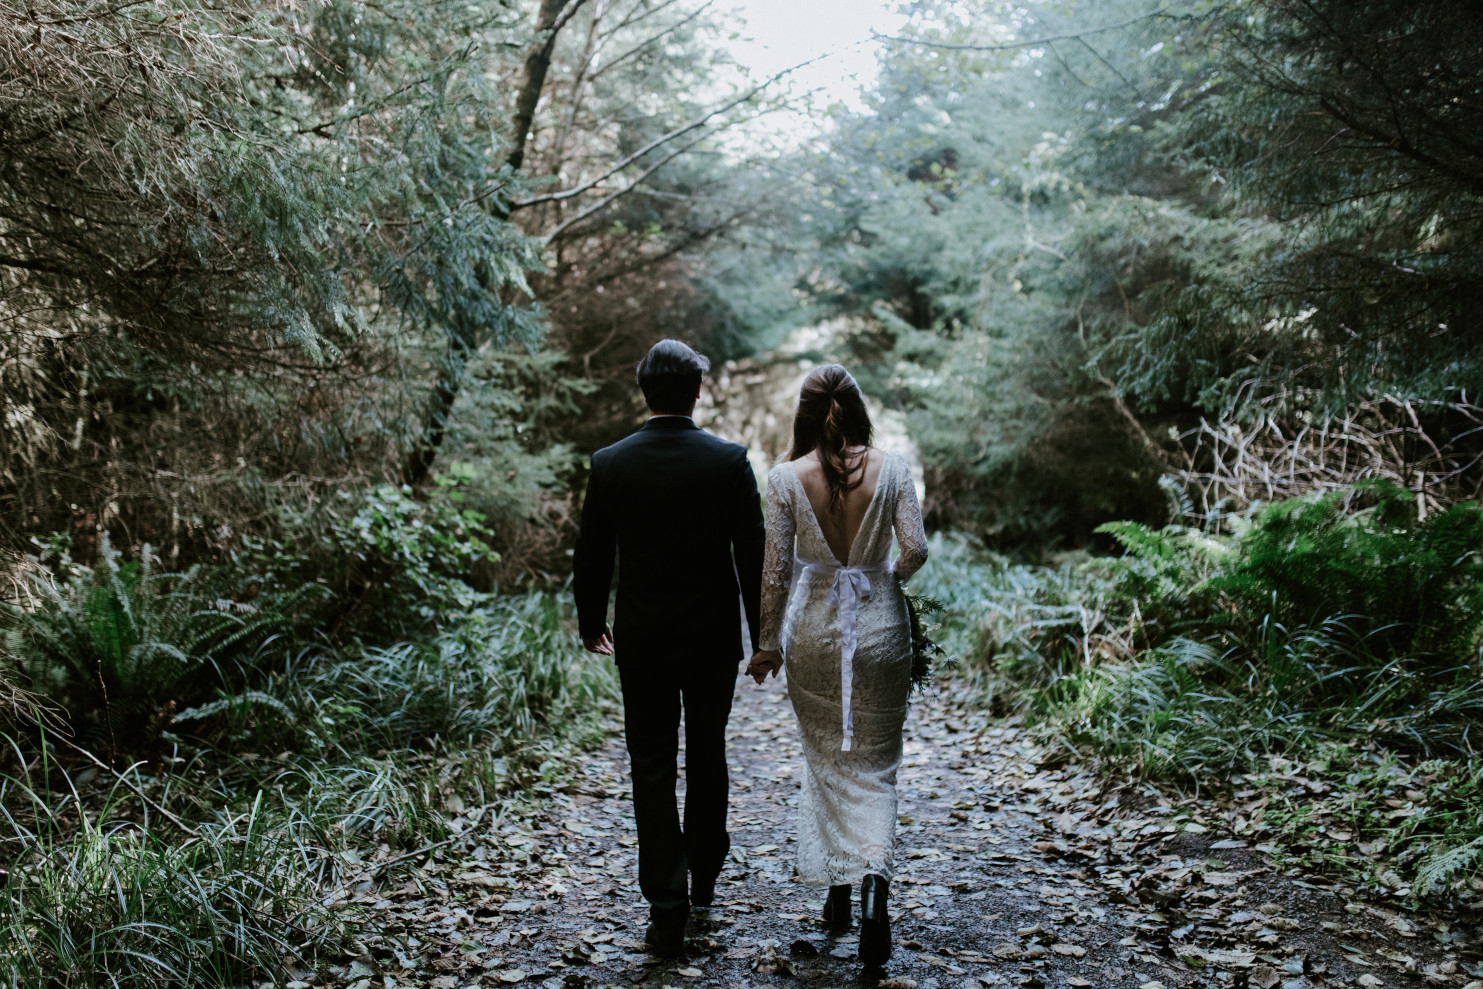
x,y
1030,43
566,16
636,14
131,785
658,142
619,60
1281,457
604,203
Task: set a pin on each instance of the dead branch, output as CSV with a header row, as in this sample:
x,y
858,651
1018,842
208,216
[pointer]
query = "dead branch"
x,y
1231,466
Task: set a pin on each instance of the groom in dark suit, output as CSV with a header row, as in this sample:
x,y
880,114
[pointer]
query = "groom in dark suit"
x,y
679,507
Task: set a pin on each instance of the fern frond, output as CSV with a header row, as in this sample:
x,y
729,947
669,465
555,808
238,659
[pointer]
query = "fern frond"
x,y
1439,869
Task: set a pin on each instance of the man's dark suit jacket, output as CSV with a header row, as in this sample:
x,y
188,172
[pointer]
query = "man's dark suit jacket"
x,y
676,504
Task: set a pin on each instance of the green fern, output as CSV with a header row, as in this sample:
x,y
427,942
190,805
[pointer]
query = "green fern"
x,y
1439,869
235,703
924,650
117,645
1415,586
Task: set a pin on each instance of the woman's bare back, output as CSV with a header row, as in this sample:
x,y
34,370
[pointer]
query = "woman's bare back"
x,y
840,527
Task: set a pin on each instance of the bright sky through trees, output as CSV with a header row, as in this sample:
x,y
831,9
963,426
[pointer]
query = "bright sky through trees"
x,y
777,34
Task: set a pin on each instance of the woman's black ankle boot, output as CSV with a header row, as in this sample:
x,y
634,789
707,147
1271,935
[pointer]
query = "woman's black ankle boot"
x,y
875,921
837,907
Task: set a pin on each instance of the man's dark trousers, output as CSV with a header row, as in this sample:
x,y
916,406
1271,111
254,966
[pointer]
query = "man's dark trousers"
x,y
652,699
676,510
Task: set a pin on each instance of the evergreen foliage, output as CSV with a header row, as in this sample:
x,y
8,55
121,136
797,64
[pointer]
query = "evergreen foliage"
x,y
1061,257
120,646
231,236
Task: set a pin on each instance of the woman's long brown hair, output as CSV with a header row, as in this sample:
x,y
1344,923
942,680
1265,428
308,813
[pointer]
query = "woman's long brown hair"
x,y
832,419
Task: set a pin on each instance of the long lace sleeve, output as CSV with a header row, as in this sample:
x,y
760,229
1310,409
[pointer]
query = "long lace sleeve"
x,y
777,560
911,537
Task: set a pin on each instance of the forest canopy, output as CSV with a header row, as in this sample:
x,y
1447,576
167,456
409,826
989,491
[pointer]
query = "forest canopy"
x,y
254,255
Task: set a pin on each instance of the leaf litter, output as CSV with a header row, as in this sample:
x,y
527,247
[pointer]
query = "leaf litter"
x,y
1016,868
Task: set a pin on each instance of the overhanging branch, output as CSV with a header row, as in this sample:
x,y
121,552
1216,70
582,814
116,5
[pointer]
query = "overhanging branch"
x,y
658,142
1029,43
607,201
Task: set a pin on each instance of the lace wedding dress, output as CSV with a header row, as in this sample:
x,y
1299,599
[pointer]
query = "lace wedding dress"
x,y
846,643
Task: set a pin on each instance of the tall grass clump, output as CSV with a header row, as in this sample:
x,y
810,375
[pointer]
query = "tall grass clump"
x,y
511,671
217,871
102,892
386,739
1017,630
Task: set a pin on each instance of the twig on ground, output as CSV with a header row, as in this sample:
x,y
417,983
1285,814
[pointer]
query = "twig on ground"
x,y
132,786
418,853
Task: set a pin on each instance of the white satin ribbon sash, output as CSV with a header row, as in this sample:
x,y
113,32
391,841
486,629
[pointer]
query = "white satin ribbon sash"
x,y
851,586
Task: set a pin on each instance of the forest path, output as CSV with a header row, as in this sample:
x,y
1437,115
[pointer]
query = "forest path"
x,y
1011,872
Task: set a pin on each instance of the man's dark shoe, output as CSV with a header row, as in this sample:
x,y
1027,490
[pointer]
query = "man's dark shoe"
x,y
875,921
837,908
702,892
666,934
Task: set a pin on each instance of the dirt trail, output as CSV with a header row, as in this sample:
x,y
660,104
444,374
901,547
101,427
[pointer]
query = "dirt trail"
x,y
1010,873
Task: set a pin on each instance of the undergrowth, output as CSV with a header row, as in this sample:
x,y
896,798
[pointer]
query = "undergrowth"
x,y
211,860
100,892
119,645
1340,631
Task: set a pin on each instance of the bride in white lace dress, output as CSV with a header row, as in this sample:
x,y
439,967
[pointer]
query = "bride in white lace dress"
x,y
843,630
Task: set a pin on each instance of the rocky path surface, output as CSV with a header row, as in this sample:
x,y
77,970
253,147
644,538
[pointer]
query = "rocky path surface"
x,y
1012,872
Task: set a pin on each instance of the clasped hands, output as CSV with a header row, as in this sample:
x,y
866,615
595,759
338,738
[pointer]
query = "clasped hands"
x,y
764,661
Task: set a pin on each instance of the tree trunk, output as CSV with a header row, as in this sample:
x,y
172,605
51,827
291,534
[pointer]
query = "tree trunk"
x,y
537,63
461,339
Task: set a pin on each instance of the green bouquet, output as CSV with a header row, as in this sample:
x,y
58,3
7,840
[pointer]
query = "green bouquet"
x,y
922,612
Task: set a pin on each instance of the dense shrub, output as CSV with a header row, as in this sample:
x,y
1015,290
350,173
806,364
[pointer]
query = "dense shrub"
x,y
1410,585
1344,612
405,560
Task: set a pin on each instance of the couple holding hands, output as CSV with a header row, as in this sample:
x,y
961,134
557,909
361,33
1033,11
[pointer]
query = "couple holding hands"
x,y
678,509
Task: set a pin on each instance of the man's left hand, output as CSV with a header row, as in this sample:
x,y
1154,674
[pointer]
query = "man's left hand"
x,y
764,661
603,644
